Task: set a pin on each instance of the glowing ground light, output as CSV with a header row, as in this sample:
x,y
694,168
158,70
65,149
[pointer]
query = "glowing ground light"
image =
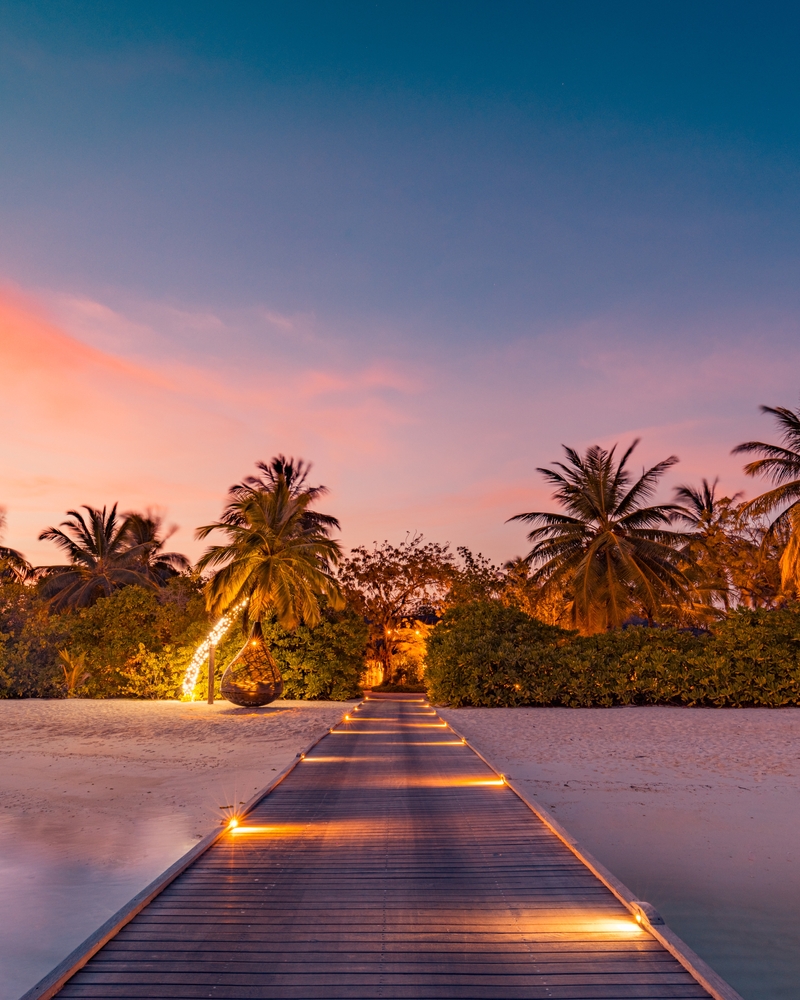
x,y
201,653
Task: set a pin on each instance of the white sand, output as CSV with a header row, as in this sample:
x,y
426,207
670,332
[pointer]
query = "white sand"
x,y
696,810
99,797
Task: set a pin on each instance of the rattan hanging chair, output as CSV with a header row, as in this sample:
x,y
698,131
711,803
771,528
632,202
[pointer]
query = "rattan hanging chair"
x,y
252,677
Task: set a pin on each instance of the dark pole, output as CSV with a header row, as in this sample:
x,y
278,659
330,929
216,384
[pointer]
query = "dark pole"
x,y
211,675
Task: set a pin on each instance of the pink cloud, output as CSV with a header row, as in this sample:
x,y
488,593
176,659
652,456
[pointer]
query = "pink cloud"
x,y
91,427
158,404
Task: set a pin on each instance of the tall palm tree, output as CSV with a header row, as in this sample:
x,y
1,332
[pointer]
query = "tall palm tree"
x,y
294,473
614,555
102,559
145,533
780,464
275,558
14,567
710,520
698,505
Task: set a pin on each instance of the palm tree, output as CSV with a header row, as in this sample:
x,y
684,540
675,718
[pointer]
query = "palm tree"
x,y
294,473
102,559
144,532
711,521
614,555
780,464
276,558
14,567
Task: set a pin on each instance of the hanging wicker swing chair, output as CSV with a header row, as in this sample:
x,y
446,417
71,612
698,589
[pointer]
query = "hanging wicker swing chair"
x,y
252,677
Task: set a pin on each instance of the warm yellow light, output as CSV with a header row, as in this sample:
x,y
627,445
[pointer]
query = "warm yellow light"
x,y
233,823
289,830
423,743
454,782
254,642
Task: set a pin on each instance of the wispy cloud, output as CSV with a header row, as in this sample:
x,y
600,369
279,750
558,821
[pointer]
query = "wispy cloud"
x,y
91,426
164,404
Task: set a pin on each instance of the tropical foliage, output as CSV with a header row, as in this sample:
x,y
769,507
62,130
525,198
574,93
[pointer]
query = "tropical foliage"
x,y
616,554
145,536
14,567
780,464
713,577
323,661
277,558
293,474
102,558
489,655
396,589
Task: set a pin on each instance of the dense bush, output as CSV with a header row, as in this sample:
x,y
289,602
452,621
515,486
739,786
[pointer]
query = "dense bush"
x,y
137,643
29,642
483,654
325,661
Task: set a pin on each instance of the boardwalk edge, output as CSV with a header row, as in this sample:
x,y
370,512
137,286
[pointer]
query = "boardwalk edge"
x,y
700,970
51,983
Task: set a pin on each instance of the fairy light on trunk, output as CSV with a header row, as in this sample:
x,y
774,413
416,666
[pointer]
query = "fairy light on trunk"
x,y
213,638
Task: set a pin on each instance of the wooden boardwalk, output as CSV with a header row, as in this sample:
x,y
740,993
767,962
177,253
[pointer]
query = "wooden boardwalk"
x,y
391,862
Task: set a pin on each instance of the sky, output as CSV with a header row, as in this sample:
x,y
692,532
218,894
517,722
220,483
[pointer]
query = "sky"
x,y
421,245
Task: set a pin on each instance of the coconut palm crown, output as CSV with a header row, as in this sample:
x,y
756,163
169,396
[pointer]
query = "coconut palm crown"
x,y
709,519
14,567
145,533
613,555
275,557
779,463
293,472
102,559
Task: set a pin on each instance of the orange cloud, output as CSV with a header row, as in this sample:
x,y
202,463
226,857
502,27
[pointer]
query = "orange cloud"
x,y
158,405
90,427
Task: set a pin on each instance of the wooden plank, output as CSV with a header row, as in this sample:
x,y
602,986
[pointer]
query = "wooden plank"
x,y
392,862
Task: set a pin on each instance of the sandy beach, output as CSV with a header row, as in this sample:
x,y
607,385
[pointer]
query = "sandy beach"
x,y
696,810
99,797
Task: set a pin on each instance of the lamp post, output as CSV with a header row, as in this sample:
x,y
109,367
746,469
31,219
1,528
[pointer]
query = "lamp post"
x,y
211,651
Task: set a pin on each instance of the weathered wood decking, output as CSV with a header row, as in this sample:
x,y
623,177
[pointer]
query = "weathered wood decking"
x,y
390,863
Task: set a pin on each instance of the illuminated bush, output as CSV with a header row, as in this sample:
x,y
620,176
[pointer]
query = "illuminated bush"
x,y
484,654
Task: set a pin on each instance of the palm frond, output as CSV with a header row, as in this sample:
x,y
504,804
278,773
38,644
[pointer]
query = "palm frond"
x,y
612,551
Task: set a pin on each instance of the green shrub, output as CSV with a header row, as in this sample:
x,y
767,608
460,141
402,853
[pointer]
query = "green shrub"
x,y
30,638
138,643
482,655
324,661
753,658
136,634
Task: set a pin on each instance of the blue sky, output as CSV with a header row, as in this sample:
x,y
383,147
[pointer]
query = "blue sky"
x,y
446,237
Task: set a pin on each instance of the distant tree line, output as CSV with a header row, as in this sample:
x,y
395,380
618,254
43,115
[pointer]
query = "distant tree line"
x,y
619,599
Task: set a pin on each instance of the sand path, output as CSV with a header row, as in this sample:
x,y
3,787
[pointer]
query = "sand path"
x,y
98,797
696,810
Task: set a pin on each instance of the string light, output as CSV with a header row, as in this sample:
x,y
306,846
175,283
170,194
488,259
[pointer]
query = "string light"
x,y
201,653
